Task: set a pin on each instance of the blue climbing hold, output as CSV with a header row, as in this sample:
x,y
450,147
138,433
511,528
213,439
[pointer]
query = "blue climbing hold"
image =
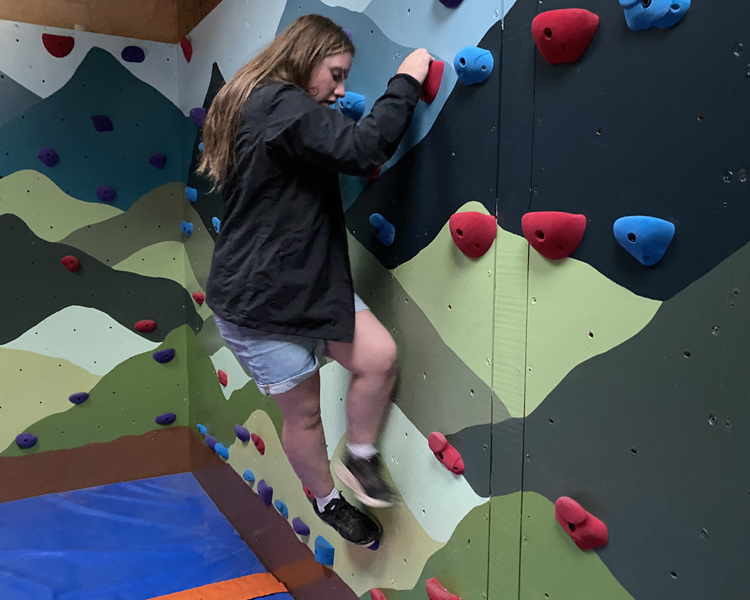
x,y
102,123
164,356
242,433
265,491
26,440
202,429
249,476
384,231
201,147
352,105
216,223
210,441
133,54
323,551
187,228
281,507
643,14
473,65
198,116
78,398
48,156
191,194
222,450
166,419
158,160
300,527
106,193
646,238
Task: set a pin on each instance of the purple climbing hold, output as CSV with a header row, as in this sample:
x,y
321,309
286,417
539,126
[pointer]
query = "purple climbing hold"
x,y
166,419
133,54
300,527
48,156
102,123
450,3
265,491
198,116
78,398
210,441
164,356
374,546
26,440
158,160
106,193
349,35
242,434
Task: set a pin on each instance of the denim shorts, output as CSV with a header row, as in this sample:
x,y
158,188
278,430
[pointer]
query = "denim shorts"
x,y
277,362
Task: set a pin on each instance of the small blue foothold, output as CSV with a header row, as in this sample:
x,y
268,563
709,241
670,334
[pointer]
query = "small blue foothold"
x,y
164,356
48,156
102,123
106,193
202,429
646,238
191,194
78,398
201,147
281,507
166,419
158,160
187,228
210,441
242,433
26,440
265,491
473,65
323,551
216,223
643,14
384,231
249,476
198,116
352,105
300,527
133,54
222,450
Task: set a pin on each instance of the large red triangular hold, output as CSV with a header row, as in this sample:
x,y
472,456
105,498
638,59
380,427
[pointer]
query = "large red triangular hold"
x,y
435,591
562,36
431,84
473,232
553,234
187,48
58,46
586,530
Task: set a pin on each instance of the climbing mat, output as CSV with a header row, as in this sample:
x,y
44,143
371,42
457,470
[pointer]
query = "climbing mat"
x,y
127,541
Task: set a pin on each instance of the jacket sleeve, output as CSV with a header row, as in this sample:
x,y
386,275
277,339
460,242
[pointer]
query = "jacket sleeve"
x,y
299,127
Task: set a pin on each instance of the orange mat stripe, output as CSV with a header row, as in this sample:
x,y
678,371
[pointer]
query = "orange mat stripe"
x,y
242,588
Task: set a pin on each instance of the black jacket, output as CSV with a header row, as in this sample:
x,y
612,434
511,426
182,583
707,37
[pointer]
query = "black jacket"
x,y
281,261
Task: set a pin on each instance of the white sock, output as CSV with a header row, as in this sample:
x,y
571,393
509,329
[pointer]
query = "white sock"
x,y
366,451
323,502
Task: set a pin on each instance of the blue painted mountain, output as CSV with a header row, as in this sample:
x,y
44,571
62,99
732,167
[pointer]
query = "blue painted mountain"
x,y
14,99
145,123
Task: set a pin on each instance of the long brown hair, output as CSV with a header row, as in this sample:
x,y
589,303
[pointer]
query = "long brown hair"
x,y
290,58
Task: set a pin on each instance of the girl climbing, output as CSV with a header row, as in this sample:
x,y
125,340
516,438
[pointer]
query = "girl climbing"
x,y
280,283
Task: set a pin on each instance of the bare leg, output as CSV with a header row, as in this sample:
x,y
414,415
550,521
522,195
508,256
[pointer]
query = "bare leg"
x,y
303,438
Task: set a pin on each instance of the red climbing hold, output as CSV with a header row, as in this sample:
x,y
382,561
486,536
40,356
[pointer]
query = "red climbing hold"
x,y
71,263
473,232
376,594
223,380
446,453
187,48
586,530
374,176
553,234
147,325
258,441
199,297
58,46
563,35
308,493
431,84
435,591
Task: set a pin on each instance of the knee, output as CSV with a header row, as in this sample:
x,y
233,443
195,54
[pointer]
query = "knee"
x,y
307,418
384,360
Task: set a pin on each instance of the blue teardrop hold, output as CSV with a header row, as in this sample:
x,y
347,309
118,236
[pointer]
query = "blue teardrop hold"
x,y
222,450
216,223
323,551
646,238
187,228
191,194
202,429
473,65
248,475
281,507
352,105
384,231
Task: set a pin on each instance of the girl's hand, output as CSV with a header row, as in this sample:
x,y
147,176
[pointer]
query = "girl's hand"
x,y
417,64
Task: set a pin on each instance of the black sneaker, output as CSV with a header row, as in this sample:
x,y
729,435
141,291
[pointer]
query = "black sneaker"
x,y
350,523
365,478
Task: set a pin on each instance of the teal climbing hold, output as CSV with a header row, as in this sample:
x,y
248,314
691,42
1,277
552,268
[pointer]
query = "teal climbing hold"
x,y
187,228
191,194
202,429
222,450
323,551
216,223
248,476
646,238
473,65
384,230
352,105
281,507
